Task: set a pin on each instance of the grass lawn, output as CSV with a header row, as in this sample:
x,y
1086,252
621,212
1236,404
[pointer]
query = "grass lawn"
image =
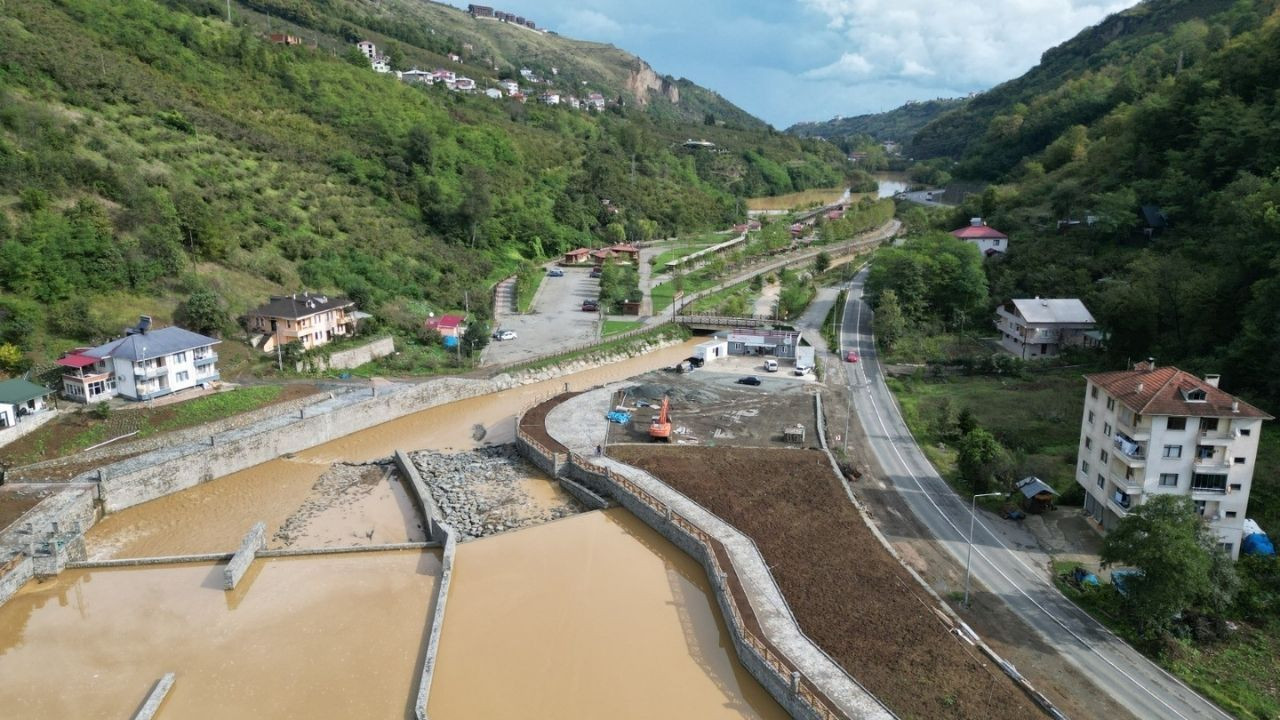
x,y
685,247
527,284
1237,673
797,200
77,431
613,327
1037,417
917,347
664,294
736,300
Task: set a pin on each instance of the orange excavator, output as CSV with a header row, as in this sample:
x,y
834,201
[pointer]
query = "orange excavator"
x,y
660,427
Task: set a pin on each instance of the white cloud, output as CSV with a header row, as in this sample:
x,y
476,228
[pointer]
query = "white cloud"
x,y
590,25
958,43
850,67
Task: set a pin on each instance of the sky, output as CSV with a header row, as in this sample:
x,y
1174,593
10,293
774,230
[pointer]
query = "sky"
x,y
787,61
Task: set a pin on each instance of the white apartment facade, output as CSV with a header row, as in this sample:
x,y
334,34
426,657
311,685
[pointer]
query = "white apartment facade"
x,y
143,365
1152,431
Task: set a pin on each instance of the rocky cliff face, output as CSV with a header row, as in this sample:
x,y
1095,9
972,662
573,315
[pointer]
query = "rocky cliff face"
x,y
642,80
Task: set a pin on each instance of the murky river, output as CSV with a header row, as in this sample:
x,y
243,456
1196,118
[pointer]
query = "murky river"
x,y
593,616
316,638
892,183
213,517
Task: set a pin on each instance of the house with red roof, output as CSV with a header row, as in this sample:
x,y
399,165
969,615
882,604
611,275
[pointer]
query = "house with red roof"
x,y
989,240
625,252
1161,431
447,325
580,256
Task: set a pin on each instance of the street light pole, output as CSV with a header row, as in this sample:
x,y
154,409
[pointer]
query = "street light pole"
x,y
973,512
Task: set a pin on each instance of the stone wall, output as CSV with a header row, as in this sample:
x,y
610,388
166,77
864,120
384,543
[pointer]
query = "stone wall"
x,y
318,361
584,496
254,541
14,573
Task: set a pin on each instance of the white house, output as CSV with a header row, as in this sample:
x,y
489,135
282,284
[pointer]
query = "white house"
x,y
1151,431
464,84
596,101
381,64
511,87
418,76
19,399
142,365
369,50
1041,327
550,98
493,93
989,240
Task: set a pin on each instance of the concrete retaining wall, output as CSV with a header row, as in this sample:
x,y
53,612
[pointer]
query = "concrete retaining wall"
x,y
585,496
253,542
157,696
545,460
14,573
350,358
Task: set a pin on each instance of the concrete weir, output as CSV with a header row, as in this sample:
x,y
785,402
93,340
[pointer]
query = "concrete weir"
x,y
254,541
791,667
439,531
155,698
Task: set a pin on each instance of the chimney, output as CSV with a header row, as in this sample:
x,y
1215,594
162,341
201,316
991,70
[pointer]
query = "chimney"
x,y
975,222
1212,380
1235,406
1145,365
1141,387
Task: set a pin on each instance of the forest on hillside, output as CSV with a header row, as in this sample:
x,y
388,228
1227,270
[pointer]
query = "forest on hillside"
x,y
148,148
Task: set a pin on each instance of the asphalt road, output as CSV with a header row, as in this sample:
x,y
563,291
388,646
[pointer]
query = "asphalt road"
x,y
557,320
921,197
1000,567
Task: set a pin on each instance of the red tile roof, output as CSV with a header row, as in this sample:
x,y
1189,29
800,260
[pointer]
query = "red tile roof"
x,y
979,232
579,251
446,322
1161,392
77,361
624,248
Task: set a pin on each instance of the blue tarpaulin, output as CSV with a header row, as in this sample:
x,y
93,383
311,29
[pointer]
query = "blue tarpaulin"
x,y
450,341
620,417
1257,544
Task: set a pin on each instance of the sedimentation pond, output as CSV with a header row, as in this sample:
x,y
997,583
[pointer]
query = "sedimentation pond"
x,y
594,615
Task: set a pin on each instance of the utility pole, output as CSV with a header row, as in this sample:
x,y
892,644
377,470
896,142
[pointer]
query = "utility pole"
x,y
228,11
973,514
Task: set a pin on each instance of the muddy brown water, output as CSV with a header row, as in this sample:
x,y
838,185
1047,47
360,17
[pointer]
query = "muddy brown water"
x,y
592,616
214,516
317,638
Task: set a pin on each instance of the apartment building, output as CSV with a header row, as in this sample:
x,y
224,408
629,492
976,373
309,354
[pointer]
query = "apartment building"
x,y
142,365
1151,431
312,320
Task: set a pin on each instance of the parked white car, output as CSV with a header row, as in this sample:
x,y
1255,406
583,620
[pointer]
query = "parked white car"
x,y
506,335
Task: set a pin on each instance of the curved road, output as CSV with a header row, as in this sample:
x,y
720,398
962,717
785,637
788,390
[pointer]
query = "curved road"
x,y
1111,664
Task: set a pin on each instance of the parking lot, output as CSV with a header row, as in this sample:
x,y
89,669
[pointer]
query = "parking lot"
x,y
556,320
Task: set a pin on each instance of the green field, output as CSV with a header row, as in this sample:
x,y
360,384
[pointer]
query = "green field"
x,y
687,246
1037,418
614,327
664,294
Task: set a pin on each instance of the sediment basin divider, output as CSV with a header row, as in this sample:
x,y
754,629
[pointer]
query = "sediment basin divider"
x,y
800,695
155,698
226,556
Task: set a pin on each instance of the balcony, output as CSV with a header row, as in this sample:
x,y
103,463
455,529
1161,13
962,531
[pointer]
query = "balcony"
x,y
1138,433
1129,452
1119,503
1209,490
1215,437
204,360
150,373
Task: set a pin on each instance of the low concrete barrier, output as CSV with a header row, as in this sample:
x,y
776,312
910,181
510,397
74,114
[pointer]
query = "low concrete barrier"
x,y
149,561
585,496
157,696
437,618
426,503
14,573
253,542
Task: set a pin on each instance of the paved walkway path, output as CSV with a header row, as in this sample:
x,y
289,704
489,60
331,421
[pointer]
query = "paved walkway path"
x,y
579,424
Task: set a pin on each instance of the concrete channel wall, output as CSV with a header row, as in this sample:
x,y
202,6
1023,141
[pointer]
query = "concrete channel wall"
x,y
155,698
772,673
14,573
254,541
440,531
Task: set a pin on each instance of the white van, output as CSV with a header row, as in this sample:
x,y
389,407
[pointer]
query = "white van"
x,y
771,365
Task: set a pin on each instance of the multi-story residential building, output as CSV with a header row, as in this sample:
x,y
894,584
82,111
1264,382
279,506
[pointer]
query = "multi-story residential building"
x,y
1041,327
1151,431
142,365
312,320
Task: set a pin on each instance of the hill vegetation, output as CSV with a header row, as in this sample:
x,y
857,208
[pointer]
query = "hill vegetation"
x,y
149,149
899,125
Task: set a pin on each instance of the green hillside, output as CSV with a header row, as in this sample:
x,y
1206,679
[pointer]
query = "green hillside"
x,y
150,148
1196,140
900,124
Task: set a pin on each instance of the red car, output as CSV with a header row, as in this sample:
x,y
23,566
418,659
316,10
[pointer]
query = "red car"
x,y
851,356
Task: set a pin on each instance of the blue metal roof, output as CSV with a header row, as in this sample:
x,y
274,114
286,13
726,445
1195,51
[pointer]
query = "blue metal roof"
x,y
151,344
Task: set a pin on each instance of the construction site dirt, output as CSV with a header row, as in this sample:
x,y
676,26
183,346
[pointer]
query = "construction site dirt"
x,y
988,615
847,592
712,409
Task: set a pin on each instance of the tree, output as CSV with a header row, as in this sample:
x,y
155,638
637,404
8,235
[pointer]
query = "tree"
x,y
475,338
615,233
204,312
1173,549
967,422
821,262
979,452
890,324
11,359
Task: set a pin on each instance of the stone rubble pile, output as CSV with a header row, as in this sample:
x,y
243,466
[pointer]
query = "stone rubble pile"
x,y
480,492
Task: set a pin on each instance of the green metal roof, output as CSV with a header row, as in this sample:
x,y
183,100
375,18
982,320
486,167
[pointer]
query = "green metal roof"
x,y
18,391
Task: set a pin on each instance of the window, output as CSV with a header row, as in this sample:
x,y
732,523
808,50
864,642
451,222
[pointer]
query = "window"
x,y
1084,466
180,357
1235,487
1246,432
1200,507
182,376
1202,482
1168,479
1102,481
1176,423
1204,452
1196,395
1231,513
1226,547
1090,417
1208,425
1106,429
1241,461
1093,391
1088,443
1103,456
1111,403
1173,451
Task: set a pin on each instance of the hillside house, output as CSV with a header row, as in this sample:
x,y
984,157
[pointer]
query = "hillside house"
x,y
988,240
550,98
480,12
510,87
20,399
449,326
415,75
1153,431
493,94
284,39
580,256
1042,327
144,364
463,84
369,50
625,253
310,319
595,101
